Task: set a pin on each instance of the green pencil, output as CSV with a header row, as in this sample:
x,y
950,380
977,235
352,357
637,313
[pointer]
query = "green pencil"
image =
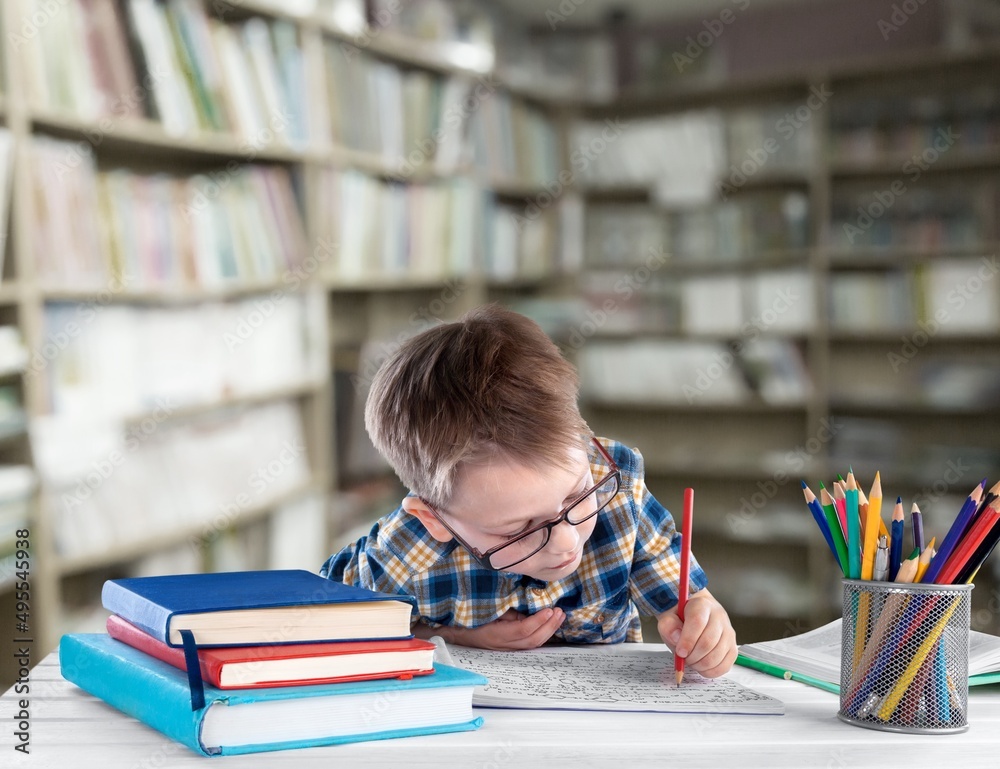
x,y
788,675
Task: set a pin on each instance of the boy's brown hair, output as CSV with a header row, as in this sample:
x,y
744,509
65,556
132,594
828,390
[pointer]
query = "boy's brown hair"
x,y
488,385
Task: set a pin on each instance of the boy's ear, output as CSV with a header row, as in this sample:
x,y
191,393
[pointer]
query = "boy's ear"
x,y
416,507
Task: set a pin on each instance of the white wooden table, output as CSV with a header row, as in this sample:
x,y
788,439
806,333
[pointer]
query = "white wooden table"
x,y
69,728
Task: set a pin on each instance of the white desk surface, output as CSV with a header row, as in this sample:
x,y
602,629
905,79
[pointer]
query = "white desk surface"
x,y
69,728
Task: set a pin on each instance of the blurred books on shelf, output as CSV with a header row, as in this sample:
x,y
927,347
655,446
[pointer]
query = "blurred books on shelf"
x,y
411,120
383,229
953,296
908,121
175,63
513,141
904,214
191,479
123,231
632,155
687,372
129,361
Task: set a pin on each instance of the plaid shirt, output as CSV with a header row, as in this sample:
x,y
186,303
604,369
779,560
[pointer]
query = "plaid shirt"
x,y
630,565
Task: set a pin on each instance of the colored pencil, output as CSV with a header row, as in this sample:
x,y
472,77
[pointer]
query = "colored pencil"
x,y
872,518
917,527
955,533
896,543
820,517
925,560
970,542
908,569
853,529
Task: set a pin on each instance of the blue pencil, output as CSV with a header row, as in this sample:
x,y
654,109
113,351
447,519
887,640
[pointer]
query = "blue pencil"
x,y
955,533
896,547
817,512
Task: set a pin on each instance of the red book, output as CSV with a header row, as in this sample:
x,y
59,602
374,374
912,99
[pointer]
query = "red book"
x,y
251,667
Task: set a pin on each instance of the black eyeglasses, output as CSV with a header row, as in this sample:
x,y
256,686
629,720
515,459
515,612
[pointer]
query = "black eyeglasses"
x,y
525,545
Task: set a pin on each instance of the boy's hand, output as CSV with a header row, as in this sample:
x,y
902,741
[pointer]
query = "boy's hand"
x,y
705,639
511,631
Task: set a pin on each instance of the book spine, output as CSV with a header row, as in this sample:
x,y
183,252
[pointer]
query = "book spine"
x,y
145,615
139,691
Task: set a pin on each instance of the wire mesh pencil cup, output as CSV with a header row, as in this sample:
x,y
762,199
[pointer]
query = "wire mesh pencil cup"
x,y
904,664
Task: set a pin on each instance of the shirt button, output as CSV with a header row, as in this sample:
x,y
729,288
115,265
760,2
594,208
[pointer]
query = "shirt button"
x,y
600,618
537,590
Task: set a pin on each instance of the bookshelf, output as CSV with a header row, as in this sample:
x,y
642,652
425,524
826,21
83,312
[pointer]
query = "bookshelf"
x,y
238,133
892,366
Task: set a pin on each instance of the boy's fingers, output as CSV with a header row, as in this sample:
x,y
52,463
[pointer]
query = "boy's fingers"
x,y
696,617
720,660
669,628
535,630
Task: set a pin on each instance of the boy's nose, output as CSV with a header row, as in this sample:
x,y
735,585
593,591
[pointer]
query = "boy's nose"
x,y
564,538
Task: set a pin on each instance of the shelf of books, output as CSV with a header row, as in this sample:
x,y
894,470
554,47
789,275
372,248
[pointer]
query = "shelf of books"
x,y
200,276
803,279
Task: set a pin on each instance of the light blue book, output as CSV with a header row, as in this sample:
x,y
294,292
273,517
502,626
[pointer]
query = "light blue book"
x,y
255,720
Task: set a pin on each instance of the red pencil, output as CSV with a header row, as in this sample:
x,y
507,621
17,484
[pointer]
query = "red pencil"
x,y
970,542
682,591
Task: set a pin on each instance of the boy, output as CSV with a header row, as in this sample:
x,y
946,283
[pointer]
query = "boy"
x,y
519,527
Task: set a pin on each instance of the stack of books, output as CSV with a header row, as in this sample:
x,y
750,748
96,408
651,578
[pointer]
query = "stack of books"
x,y
285,659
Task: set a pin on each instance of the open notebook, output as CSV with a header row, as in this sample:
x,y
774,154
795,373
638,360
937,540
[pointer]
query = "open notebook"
x,y
817,654
601,678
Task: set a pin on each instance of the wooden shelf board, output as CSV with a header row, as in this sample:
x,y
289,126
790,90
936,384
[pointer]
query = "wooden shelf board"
x,y
875,338
891,257
186,411
161,296
748,407
986,160
131,550
917,410
145,135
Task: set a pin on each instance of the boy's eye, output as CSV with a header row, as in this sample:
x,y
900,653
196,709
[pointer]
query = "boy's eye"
x,y
519,532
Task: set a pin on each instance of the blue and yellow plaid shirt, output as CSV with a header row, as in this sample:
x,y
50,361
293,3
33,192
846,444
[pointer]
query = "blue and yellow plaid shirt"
x,y
630,566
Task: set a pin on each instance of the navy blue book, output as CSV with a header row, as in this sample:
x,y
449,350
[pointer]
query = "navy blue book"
x,y
245,608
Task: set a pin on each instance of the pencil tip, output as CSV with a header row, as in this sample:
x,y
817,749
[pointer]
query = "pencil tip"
x,y
899,500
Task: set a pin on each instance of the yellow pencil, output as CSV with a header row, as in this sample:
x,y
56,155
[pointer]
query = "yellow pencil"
x,y
925,560
871,529
897,692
